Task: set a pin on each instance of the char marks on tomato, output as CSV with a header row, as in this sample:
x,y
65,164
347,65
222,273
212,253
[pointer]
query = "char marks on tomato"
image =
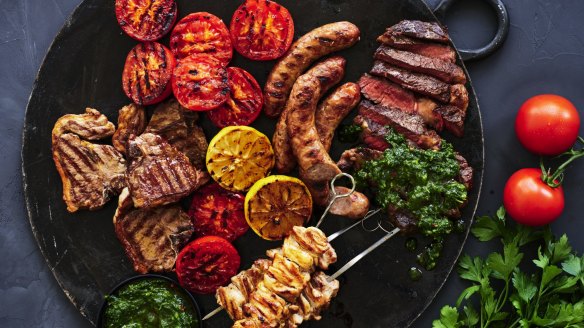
x,y
146,20
244,103
218,212
201,33
262,29
147,73
200,82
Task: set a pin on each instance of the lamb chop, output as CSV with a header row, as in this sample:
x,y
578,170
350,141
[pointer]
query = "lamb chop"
x,y
179,127
131,121
153,237
158,174
91,173
443,70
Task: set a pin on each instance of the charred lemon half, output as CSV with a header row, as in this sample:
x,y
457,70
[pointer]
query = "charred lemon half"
x,y
275,204
238,156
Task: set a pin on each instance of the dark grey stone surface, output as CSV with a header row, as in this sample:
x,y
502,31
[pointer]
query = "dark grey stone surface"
x,y
542,55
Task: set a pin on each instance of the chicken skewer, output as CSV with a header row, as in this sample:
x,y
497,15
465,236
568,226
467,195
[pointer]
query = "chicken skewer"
x,y
244,283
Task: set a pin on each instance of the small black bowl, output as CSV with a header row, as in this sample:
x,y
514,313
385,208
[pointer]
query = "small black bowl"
x,y
195,306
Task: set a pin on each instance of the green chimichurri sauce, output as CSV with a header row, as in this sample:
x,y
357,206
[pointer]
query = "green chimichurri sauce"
x,y
418,181
349,133
149,303
415,274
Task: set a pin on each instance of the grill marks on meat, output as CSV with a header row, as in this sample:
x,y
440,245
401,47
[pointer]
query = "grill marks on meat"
x,y
410,126
91,173
443,70
151,238
429,31
131,121
158,174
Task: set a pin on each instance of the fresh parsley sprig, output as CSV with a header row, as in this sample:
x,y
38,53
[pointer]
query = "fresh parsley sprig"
x,y
551,296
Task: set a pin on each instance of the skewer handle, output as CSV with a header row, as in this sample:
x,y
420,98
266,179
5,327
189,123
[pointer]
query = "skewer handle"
x,y
361,255
212,313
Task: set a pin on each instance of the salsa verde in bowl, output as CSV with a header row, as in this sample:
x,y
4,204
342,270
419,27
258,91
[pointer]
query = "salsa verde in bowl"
x,y
149,301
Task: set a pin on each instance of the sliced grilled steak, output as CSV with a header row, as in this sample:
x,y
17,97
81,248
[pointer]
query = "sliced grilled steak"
x,y
417,82
131,121
89,126
158,173
443,70
453,118
153,237
428,49
430,31
410,126
388,94
459,97
353,159
406,222
466,172
373,134
91,173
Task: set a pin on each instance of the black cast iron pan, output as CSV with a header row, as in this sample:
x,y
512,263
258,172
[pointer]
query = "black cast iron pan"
x,y
83,69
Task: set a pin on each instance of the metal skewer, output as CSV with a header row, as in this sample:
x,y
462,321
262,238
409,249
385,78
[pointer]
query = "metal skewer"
x,y
335,235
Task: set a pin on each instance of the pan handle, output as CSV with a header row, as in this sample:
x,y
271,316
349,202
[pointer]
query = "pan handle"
x,y
502,29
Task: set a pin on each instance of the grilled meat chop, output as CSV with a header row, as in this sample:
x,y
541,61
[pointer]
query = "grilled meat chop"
x,y
429,31
131,121
179,127
158,174
153,237
91,173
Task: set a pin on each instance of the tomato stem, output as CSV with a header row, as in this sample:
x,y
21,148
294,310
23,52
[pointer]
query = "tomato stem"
x,y
555,179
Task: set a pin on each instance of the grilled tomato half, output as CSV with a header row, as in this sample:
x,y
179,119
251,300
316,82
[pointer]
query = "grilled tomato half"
x,y
206,264
244,103
200,82
218,212
146,20
261,29
201,33
147,73
238,156
275,204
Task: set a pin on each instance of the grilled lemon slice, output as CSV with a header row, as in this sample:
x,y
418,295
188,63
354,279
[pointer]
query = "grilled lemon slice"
x,y
275,204
238,156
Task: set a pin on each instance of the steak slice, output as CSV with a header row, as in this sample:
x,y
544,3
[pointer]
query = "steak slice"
x,y
430,31
92,125
428,49
443,70
353,159
153,237
158,174
417,82
179,127
373,134
410,126
465,173
91,173
386,93
131,121
459,97
453,118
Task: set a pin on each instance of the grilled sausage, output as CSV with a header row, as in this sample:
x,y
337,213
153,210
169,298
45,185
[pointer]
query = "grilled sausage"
x,y
354,206
326,74
333,110
311,46
313,159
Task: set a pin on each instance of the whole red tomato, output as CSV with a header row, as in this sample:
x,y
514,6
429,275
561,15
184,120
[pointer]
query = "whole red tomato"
x,y
547,124
530,201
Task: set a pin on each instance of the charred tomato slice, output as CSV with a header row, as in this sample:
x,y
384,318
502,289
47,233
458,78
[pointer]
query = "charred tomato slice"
x,y
201,33
244,103
206,264
200,82
261,30
146,20
218,212
147,73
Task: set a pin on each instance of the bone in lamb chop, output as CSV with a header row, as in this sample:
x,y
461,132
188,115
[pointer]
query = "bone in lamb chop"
x,y
91,173
151,237
158,174
131,121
